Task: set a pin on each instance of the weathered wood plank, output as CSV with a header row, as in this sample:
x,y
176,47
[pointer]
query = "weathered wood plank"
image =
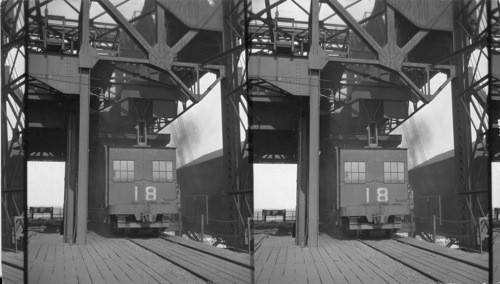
x,y
439,267
51,252
452,267
363,271
58,273
240,258
312,272
323,271
300,268
70,272
205,266
12,275
474,258
82,273
94,272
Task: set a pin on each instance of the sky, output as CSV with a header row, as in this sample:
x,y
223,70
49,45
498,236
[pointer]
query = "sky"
x,y
46,184
199,131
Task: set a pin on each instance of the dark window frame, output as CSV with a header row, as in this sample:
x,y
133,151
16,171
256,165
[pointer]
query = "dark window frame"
x,y
355,174
118,172
394,172
158,172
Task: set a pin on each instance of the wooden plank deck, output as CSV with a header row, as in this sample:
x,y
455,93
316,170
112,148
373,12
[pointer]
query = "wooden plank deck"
x,y
279,260
439,267
243,259
12,275
15,259
496,255
205,266
100,260
12,267
477,259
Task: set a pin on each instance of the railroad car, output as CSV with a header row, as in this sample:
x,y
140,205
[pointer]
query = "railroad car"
x,y
365,190
138,189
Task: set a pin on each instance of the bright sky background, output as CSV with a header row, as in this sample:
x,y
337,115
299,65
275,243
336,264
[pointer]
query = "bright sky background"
x,y
45,184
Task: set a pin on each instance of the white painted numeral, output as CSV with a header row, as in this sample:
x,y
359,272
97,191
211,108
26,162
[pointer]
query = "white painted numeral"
x,y
367,195
135,193
150,193
382,194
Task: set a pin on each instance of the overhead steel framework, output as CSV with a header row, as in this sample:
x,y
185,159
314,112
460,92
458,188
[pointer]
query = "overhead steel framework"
x,y
97,61
469,98
302,70
494,98
12,119
388,58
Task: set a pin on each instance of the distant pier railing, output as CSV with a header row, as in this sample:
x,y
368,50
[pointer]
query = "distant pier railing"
x,y
45,213
274,215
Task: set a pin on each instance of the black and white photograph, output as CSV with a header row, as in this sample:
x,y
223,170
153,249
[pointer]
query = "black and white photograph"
x,y
250,141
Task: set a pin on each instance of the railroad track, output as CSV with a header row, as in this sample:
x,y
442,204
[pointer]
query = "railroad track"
x,y
264,234
435,264
213,265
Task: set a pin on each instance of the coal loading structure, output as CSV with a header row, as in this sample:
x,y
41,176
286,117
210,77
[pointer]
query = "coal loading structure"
x,y
115,76
349,83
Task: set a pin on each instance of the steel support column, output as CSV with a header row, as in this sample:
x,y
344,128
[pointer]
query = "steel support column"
x,y
315,66
461,128
313,188
83,131
70,183
302,178
231,144
83,158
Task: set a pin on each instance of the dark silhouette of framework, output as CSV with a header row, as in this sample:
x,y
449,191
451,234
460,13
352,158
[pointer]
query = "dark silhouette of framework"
x,y
398,45
83,65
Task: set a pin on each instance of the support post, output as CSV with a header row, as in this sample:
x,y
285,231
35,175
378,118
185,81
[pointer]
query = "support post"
x,y
231,137
480,239
180,223
461,129
249,235
302,177
316,63
434,228
313,200
83,138
202,228
83,157
412,224
71,168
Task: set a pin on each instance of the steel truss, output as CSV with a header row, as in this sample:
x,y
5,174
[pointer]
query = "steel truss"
x,y
281,43
470,118
106,57
494,98
268,34
13,114
235,110
143,62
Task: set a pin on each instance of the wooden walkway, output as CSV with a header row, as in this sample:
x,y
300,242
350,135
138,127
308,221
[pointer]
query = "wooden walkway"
x,y
211,268
243,259
101,260
496,255
12,267
476,259
279,260
436,266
